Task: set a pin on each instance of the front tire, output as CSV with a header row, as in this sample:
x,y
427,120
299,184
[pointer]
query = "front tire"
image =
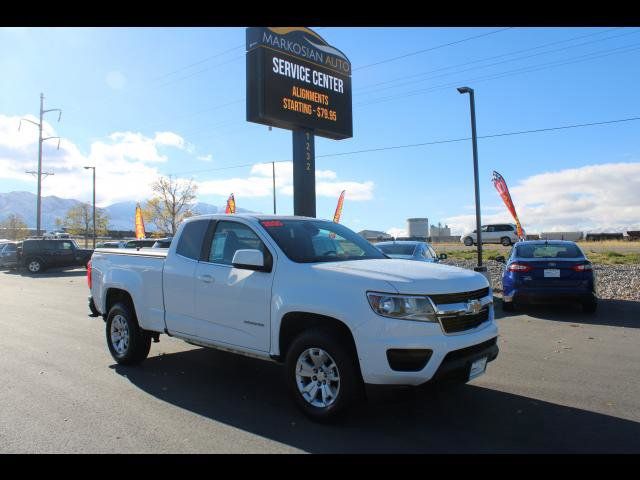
x,y
468,241
34,265
322,375
127,342
508,307
506,241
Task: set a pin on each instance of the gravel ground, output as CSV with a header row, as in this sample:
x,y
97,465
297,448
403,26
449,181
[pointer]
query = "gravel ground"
x,y
621,282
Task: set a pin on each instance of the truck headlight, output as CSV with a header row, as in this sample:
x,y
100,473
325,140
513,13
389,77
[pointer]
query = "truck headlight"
x,y
403,307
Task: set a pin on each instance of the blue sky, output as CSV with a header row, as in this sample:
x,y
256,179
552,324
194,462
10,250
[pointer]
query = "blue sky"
x,y
119,87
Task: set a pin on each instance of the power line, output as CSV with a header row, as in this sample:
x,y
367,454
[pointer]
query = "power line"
x,y
423,144
527,69
490,76
417,52
396,85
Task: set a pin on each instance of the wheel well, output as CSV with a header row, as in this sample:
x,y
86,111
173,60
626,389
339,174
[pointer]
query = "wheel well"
x,y
294,323
116,295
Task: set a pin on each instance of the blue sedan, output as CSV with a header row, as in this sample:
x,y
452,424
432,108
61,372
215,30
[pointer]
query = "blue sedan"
x,y
410,250
548,271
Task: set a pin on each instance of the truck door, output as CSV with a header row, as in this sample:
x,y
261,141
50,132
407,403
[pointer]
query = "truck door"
x,y
178,278
232,304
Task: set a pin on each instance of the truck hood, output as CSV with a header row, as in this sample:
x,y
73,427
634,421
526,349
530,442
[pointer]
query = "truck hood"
x,y
412,277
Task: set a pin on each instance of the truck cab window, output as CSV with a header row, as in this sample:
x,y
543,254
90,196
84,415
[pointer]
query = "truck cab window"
x,y
190,243
230,237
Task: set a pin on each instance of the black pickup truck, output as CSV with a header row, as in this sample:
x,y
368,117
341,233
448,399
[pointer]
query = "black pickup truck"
x,y
37,255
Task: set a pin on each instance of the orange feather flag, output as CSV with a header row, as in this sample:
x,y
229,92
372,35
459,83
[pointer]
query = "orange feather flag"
x,y
140,233
231,204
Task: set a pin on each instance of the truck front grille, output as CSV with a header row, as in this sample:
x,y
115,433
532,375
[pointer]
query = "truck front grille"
x,y
441,299
460,323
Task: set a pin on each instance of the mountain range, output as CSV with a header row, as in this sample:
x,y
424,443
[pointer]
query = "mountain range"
x,y
121,214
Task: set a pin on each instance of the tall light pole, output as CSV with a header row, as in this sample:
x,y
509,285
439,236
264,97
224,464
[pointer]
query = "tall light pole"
x,y
94,204
474,139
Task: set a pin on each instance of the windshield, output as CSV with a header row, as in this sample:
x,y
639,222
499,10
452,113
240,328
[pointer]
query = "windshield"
x,y
550,250
398,249
309,241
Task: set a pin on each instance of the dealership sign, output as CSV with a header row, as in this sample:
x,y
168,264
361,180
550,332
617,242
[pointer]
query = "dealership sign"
x,y
295,80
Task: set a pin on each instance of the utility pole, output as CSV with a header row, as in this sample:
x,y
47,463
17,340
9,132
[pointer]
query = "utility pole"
x,y
94,205
40,140
273,167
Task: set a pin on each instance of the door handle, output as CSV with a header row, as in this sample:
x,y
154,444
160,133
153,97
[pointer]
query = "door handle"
x,y
206,278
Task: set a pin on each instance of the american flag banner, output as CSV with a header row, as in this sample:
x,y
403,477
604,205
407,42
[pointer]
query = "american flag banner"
x,y
231,205
503,190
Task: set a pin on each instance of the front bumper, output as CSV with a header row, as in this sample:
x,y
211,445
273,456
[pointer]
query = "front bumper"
x,y
379,335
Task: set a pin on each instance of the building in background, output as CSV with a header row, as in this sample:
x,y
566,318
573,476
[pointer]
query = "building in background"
x,y
440,231
418,227
375,236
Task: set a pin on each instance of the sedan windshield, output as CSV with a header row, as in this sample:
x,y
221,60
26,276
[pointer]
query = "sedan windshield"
x,y
397,249
309,241
549,250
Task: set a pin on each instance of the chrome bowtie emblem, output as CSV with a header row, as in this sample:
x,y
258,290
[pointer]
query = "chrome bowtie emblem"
x,y
551,264
474,307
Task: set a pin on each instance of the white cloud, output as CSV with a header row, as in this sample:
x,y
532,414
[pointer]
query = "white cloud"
x,y
116,80
397,232
593,197
121,160
205,158
169,139
259,184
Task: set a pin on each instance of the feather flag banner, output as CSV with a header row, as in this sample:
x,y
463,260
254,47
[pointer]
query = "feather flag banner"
x,y
140,233
231,204
503,190
336,216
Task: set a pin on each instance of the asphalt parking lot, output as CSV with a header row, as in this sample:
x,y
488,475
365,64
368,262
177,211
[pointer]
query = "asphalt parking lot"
x,y
564,382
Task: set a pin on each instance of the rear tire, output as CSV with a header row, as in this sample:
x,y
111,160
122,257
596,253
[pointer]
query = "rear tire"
x,y
508,306
127,342
325,390
590,306
506,241
468,241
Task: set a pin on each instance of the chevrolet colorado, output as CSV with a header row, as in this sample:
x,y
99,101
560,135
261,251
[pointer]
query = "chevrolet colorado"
x,y
310,294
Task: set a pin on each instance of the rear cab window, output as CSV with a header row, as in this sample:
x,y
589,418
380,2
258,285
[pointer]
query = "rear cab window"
x,y
191,239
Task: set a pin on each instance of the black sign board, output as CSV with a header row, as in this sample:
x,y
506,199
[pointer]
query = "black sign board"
x,y
295,80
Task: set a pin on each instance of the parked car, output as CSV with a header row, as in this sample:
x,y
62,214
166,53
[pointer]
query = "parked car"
x,y
9,255
163,242
57,235
307,293
504,233
37,255
543,271
139,243
109,245
410,250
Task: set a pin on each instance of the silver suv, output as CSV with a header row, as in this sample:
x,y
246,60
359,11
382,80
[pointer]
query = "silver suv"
x,y
504,233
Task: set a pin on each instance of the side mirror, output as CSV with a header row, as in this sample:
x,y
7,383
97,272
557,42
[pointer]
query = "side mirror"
x,y
500,259
249,259
442,256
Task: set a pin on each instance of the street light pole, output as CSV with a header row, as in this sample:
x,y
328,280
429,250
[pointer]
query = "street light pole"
x,y
94,205
475,172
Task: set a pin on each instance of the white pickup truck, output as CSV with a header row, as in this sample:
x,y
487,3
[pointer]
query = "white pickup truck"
x,y
308,293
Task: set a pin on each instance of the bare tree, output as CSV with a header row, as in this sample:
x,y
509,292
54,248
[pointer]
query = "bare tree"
x,y
171,204
14,227
79,221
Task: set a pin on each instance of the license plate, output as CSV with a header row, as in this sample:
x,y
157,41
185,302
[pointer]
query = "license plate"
x,y
551,273
477,368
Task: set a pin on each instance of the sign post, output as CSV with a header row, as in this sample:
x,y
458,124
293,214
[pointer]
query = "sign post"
x,y
297,81
304,173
